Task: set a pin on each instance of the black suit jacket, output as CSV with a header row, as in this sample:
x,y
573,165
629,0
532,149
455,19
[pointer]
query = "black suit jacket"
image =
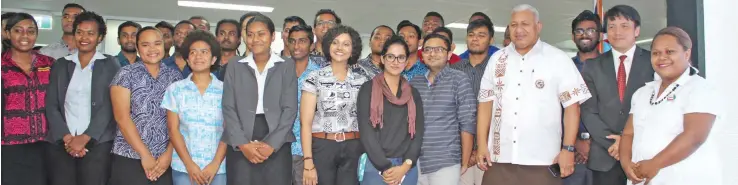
x,y
102,123
604,114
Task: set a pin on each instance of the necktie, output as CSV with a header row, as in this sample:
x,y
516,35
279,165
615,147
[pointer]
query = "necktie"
x,y
621,78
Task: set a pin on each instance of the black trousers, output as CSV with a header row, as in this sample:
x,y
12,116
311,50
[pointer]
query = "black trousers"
x,y
127,171
276,170
24,164
616,176
337,162
92,169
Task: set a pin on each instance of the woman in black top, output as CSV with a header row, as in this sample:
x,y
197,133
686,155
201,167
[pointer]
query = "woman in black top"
x,y
391,122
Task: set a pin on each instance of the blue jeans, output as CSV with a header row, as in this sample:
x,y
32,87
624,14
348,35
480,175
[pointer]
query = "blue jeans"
x,y
581,176
182,178
372,177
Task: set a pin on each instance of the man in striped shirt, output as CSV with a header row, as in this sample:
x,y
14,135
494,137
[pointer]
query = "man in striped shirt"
x,y
449,104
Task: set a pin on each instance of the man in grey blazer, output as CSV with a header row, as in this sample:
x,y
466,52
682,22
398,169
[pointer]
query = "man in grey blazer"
x,y
259,108
612,78
75,114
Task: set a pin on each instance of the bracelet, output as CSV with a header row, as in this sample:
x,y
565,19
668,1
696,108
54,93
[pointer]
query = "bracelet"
x,y
311,169
307,158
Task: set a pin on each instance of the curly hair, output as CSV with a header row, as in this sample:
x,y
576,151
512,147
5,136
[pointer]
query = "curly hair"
x,y
207,37
91,16
356,45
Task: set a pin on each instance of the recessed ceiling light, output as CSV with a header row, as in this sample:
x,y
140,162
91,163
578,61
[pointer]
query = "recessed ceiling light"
x,y
464,26
224,6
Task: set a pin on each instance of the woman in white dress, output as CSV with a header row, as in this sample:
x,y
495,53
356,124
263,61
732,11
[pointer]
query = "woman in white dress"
x,y
667,137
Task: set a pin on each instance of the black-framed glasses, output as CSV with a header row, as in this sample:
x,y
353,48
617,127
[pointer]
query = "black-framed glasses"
x,y
326,23
398,59
438,49
588,31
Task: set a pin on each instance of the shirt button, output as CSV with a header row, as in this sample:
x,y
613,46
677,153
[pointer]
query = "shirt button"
x,y
514,142
621,112
521,71
518,84
516,113
516,98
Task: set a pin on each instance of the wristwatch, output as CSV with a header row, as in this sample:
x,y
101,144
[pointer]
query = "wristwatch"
x,y
569,148
409,162
584,136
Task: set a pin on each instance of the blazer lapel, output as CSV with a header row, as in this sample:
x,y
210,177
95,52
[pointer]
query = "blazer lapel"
x,y
638,69
98,69
608,69
70,72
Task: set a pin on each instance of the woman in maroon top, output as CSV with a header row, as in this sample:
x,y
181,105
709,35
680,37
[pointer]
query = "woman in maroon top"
x,y
25,76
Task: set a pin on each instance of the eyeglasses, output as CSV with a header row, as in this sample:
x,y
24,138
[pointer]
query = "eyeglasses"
x,y
301,41
326,23
430,49
397,59
580,31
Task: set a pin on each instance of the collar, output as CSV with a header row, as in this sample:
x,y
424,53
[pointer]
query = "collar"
x,y
417,65
629,53
212,76
537,48
273,58
7,60
440,73
681,81
75,57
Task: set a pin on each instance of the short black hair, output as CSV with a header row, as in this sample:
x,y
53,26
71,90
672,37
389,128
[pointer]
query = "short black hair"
x,y
207,23
406,23
73,5
438,36
326,11
185,22
586,15
147,28
482,23
435,14
624,11
395,39
127,24
228,21
16,18
207,37
243,18
7,15
480,14
297,19
445,30
381,26
355,42
262,19
91,16
304,28
165,24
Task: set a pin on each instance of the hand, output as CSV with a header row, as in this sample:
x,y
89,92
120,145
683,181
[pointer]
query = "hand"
x,y
484,162
67,139
195,174
472,159
76,146
614,150
251,153
582,147
309,173
148,163
647,169
162,165
394,175
210,171
566,163
264,149
630,171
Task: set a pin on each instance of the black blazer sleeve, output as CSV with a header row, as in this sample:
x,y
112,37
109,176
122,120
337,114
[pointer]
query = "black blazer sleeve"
x,y
102,125
54,114
590,109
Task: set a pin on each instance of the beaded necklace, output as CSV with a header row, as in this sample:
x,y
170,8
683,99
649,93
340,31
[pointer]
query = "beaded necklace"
x,y
651,100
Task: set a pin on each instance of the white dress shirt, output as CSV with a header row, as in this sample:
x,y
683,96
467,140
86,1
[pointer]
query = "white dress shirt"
x,y
658,125
261,76
628,61
537,85
78,101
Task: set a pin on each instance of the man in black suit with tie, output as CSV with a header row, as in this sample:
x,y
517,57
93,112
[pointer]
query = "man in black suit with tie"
x,y
612,79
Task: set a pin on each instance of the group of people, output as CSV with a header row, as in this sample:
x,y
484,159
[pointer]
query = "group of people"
x,y
318,112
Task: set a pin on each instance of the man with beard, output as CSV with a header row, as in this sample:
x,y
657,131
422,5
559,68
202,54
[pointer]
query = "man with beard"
x,y
66,45
289,22
478,38
181,30
167,31
127,41
200,23
586,31
325,19
227,35
370,64
431,21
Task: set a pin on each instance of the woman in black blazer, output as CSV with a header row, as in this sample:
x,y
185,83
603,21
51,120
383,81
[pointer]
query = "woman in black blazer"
x,y
79,111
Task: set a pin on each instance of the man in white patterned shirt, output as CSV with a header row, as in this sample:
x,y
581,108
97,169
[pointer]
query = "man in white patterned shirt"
x,y
518,142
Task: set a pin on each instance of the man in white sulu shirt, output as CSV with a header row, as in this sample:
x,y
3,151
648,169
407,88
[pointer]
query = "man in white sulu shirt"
x,y
519,114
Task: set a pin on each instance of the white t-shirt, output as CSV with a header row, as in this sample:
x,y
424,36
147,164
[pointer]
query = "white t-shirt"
x,y
658,125
536,86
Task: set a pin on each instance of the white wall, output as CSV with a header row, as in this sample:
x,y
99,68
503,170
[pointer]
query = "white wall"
x,y
720,64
